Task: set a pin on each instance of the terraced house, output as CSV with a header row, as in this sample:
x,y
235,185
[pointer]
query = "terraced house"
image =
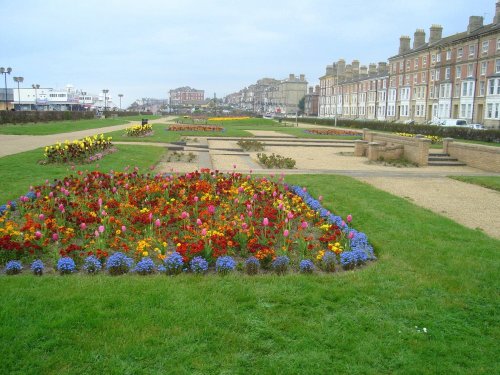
x,y
444,77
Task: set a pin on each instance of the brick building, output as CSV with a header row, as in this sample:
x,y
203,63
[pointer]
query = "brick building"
x,y
186,96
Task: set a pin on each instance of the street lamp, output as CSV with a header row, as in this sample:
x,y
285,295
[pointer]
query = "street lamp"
x,y
105,91
36,87
120,96
18,80
5,72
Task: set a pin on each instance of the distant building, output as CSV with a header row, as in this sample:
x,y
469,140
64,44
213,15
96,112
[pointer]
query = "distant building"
x,y
10,98
311,102
186,96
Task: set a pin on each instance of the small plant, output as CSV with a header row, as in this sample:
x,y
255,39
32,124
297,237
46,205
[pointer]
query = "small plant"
x,y
92,265
139,130
145,266
328,261
37,267
280,264
251,145
198,265
224,265
66,265
350,259
276,161
13,267
306,266
252,266
119,264
173,264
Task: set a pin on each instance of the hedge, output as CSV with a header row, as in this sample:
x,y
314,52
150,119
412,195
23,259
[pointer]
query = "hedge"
x,y
458,132
22,117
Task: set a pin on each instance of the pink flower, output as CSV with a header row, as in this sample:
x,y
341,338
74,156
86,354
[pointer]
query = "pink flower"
x,y
349,218
83,226
124,228
157,223
61,207
304,189
38,194
198,222
38,235
211,209
320,198
150,217
240,189
342,224
289,216
55,236
351,235
196,199
286,233
51,194
101,228
96,233
244,226
184,215
250,213
114,189
234,166
103,213
249,207
304,225
99,202
265,222
41,217
204,232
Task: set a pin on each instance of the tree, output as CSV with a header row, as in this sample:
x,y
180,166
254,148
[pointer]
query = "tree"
x,y
302,104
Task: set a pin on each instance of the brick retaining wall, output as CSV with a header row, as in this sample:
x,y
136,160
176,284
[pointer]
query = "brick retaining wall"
x,y
478,156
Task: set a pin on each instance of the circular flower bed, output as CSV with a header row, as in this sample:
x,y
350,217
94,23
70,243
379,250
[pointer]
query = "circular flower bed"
x,y
195,128
189,223
334,132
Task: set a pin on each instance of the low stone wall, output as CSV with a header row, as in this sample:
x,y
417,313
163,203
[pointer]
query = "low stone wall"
x,y
390,146
483,157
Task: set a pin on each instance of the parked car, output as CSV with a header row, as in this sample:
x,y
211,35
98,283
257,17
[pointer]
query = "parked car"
x,y
477,126
454,122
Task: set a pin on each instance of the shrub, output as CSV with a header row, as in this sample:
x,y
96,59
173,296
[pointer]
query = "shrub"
x,y
145,266
173,264
139,130
306,266
276,161
328,261
66,265
280,264
13,267
92,265
119,264
224,265
37,267
251,145
252,266
198,265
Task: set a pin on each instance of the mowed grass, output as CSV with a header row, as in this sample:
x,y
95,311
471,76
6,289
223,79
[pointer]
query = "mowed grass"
x,y
20,171
431,273
489,182
54,127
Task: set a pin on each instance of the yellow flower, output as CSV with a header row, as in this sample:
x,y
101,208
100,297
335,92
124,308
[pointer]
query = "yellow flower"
x,y
145,253
118,232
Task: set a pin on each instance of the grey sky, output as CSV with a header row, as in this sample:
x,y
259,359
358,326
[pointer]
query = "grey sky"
x,y
144,48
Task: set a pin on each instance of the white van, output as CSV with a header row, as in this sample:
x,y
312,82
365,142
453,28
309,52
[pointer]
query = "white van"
x,y
454,122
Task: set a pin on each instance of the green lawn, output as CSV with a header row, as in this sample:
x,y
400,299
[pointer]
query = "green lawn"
x,y
54,127
490,182
431,273
16,180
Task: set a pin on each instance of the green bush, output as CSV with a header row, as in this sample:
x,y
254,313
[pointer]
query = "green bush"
x,y
276,161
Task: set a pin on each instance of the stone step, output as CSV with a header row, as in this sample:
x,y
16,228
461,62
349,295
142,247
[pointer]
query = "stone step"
x,y
446,163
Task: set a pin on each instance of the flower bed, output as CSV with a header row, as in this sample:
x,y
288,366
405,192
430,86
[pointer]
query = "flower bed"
x,y
139,131
434,138
179,222
334,132
195,128
228,118
84,150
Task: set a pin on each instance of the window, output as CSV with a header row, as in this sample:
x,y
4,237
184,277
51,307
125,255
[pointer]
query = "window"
x,y
415,78
438,57
464,88
456,90
447,73
498,86
482,85
483,68
448,55
423,77
497,66
415,63
433,59
462,110
458,73
491,86
437,75
471,88
431,92
498,44
460,53
408,65
489,112
472,50
433,75
424,61
470,70
486,46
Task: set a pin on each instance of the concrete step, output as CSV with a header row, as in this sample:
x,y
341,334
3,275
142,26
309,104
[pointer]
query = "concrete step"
x,y
446,163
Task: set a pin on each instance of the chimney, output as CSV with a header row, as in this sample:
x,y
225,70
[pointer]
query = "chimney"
x,y
355,68
418,38
436,34
302,77
341,67
475,22
382,67
311,89
496,19
348,72
334,69
329,70
316,89
291,77
404,44
363,71
372,70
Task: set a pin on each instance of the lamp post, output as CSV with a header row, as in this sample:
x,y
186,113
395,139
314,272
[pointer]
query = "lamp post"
x,y
120,96
105,91
36,87
18,80
5,72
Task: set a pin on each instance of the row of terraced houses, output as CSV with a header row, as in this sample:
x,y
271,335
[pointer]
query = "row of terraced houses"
x,y
444,77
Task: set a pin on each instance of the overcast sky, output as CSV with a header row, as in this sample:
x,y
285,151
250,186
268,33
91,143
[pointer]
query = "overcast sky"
x,y
145,48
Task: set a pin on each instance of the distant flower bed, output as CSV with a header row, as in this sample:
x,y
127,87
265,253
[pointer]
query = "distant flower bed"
x,y
84,150
139,130
333,132
228,118
433,138
199,222
195,128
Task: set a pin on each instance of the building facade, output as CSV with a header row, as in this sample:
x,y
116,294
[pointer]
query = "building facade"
x,y
432,80
311,101
186,96
6,98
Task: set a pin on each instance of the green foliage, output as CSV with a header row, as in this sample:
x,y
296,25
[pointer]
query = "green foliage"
x,y
276,161
251,145
302,104
21,117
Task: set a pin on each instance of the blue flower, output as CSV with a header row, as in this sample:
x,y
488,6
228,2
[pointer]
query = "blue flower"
x,y
37,267
252,266
161,268
92,265
66,265
145,266
198,265
174,263
351,259
328,261
306,266
118,263
280,264
224,265
13,267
